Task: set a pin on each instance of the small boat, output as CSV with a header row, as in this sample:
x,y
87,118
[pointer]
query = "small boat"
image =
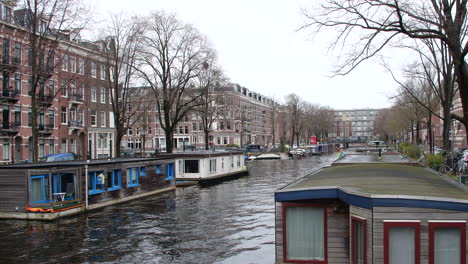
x,y
268,156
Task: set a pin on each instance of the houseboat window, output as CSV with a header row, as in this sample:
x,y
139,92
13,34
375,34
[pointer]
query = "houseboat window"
x,y
64,183
132,177
181,166
40,188
213,165
96,182
232,162
447,242
169,171
114,180
401,242
304,233
191,166
238,161
142,171
158,169
359,234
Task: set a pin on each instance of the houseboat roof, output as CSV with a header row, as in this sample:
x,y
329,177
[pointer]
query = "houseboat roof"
x,y
367,181
79,163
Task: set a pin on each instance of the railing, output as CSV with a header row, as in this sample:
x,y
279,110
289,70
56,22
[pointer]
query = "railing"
x,y
10,126
45,99
76,98
75,123
45,127
10,93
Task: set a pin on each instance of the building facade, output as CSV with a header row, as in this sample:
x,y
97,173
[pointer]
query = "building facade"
x,y
73,104
358,125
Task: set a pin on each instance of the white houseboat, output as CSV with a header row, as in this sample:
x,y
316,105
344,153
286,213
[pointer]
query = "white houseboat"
x,y
203,167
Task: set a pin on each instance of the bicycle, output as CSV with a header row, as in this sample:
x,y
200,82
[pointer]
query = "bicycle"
x,y
451,165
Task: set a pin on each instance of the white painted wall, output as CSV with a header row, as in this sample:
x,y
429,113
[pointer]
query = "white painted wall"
x,y
224,165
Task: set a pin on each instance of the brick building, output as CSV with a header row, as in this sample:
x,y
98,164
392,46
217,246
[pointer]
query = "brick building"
x,y
74,113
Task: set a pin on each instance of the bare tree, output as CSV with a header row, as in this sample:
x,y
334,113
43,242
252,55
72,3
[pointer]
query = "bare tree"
x,y
50,26
174,54
121,44
211,105
294,106
382,22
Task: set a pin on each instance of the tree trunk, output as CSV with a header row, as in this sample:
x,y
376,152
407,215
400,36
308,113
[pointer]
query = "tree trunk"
x,y
169,139
447,121
207,136
118,138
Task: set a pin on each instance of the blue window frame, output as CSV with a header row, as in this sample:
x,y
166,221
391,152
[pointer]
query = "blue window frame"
x,y
169,171
158,169
96,182
40,188
64,183
142,171
133,177
114,180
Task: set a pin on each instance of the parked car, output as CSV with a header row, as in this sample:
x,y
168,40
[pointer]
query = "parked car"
x,y
57,157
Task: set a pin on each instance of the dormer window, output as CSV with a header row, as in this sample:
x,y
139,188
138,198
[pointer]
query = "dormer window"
x,y
7,13
42,27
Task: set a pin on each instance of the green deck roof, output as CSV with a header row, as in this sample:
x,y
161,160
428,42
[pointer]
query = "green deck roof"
x,y
377,179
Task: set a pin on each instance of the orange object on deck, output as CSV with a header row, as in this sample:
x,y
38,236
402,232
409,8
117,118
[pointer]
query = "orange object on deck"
x,y
37,209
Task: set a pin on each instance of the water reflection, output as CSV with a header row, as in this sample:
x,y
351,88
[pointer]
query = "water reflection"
x,y
231,222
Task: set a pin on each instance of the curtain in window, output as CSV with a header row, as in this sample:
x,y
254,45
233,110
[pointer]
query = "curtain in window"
x,y
305,233
359,242
402,245
447,245
36,189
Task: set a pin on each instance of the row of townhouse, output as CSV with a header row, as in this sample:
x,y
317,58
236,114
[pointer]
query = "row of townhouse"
x,y
75,112
356,125
243,117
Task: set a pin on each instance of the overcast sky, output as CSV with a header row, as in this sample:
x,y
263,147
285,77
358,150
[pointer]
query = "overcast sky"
x,y
259,48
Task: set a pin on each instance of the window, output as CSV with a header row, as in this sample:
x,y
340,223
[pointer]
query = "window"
x,y
63,115
194,126
52,88
93,69
191,166
64,88
64,146
29,116
359,240
93,117
18,115
103,119
18,83
212,165
7,13
304,227
6,51
401,242
40,188
93,94
169,171
103,72
51,146
65,62
238,161
17,58
447,242
96,182
103,95
132,177
52,118
81,66
114,180
142,171
73,64
158,169
6,149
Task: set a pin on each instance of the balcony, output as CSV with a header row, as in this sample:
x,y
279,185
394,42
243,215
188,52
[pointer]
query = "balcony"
x,y
9,96
45,130
76,99
9,128
6,65
75,125
45,100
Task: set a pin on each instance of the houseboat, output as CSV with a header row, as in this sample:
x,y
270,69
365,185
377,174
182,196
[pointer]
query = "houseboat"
x,y
205,167
46,191
366,209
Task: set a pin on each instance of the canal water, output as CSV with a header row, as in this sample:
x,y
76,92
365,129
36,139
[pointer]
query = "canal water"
x,y
229,222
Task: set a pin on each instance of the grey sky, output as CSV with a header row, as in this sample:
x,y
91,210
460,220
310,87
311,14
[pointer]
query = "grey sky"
x,y
259,48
